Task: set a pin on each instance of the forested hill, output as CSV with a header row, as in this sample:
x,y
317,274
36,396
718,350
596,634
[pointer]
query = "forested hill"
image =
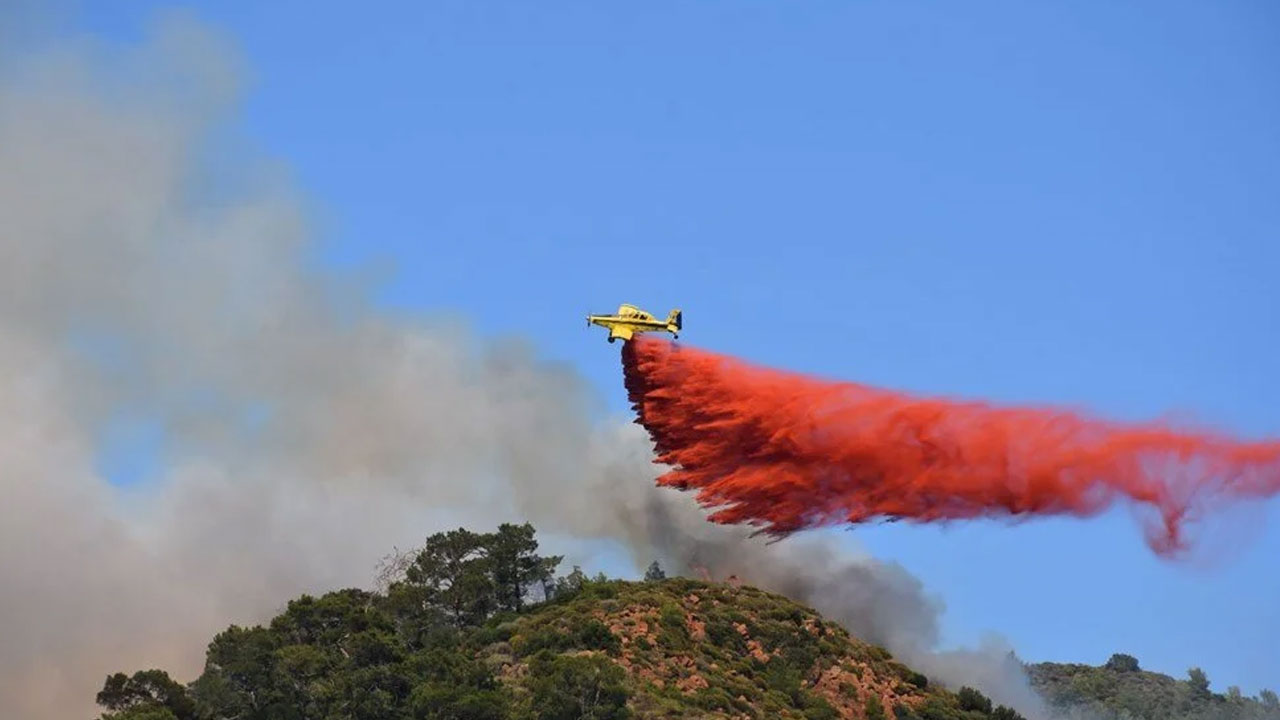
x,y
478,626
1121,690
454,634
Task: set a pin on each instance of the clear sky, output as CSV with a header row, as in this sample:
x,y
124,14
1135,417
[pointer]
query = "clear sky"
x,y
1057,202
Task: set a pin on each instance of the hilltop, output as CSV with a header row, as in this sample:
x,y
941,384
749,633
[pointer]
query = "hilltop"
x,y
688,648
476,626
1121,690
453,635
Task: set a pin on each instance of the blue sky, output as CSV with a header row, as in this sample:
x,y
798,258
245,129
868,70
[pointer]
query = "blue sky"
x,y
1068,203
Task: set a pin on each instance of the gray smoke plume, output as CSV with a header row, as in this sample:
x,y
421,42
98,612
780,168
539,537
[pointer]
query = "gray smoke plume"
x,y
149,265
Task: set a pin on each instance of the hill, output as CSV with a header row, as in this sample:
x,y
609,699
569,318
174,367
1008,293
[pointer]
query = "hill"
x,y
454,636
695,649
1121,690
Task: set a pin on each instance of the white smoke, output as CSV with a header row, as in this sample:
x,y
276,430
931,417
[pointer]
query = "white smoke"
x,y
306,434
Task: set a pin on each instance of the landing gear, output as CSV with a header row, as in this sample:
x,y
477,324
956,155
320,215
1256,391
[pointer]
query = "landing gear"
x,y
612,338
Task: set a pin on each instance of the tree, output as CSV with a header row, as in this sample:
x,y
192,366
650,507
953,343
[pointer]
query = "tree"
x,y
239,676
515,564
1121,662
142,712
1005,713
1199,683
1269,699
577,687
453,571
654,573
455,686
572,583
971,699
874,709
147,694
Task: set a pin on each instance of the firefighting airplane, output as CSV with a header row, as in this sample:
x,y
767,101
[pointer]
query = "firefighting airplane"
x,y
631,320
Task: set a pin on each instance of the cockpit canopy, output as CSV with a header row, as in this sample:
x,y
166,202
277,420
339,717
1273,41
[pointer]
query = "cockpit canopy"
x,y
631,311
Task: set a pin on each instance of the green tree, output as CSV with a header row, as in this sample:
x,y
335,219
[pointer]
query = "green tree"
x,y
142,712
1005,713
572,583
515,564
1269,699
971,699
1199,683
577,687
239,676
874,709
453,685
1121,662
434,701
654,572
329,619
147,694
452,570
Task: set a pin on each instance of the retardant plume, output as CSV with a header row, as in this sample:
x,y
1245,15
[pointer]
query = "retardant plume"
x,y
785,452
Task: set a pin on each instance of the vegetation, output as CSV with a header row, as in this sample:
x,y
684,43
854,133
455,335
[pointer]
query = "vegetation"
x,y
1120,690
477,626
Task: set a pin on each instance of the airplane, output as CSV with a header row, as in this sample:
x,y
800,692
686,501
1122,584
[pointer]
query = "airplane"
x,y
631,320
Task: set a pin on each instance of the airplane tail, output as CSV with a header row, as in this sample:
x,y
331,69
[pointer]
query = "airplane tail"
x,y
675,321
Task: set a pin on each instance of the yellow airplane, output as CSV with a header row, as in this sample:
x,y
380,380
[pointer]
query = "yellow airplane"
x,y
631,320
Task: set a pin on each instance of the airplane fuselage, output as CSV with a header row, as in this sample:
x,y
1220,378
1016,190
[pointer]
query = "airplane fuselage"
x,y
630,320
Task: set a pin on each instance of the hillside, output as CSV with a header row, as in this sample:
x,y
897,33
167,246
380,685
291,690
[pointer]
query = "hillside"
x,y
697,649
453,636
1121,690
476,626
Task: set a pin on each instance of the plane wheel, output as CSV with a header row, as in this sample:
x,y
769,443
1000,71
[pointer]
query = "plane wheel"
x,y
611,338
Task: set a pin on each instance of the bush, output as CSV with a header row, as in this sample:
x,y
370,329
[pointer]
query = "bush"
x,y
1005,713
544,638
933,709
904,712
444,702
879,653
577,687
971,699
490,634
818,709
673,635
1122,663
595,635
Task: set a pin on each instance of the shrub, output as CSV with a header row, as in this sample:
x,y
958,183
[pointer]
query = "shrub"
x,y
971,699
1005,713
595,635
904,712
1122,663
543,638
566,687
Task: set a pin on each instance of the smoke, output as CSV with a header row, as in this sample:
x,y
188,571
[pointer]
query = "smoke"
x,y
151,266
784,452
